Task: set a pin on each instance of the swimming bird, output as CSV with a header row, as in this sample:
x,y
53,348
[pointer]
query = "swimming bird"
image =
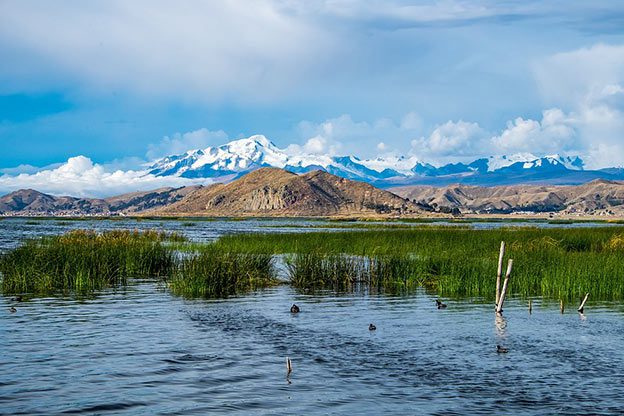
x,y
372,327
501,350
17,299
294,309
440,304
12,309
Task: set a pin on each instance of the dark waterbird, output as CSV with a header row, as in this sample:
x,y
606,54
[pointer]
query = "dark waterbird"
x,y
294,308
501,350
372,327
17,299
12,309
440,304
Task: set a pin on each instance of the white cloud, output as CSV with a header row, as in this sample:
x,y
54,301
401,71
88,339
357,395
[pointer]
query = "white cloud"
x,y
587,83
195,50
182,142
450,141
343,135
79,176
554,134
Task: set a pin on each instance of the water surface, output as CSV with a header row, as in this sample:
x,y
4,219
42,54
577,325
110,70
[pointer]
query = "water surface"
x,y
140,350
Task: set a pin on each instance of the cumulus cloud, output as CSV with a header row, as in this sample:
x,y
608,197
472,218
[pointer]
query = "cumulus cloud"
x,y
343,135
182,142
554,134
587,83
450,141
79,176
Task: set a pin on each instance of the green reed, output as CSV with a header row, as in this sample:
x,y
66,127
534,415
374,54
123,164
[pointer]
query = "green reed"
x,y
555,262
348,272
217,274
83,261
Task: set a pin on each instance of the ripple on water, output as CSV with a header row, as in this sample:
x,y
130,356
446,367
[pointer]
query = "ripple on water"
x,y
142,351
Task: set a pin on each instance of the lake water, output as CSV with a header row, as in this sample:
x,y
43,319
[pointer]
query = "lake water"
x,y
140,350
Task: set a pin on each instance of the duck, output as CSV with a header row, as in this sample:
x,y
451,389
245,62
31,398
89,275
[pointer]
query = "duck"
x,y
372,327
440,304
501,350
17,299
12,309
294,308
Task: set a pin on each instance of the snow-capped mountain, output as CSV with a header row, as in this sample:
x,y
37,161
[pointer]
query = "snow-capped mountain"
x,y
238,157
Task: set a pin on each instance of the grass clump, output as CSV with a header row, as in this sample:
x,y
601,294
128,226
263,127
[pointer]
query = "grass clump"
x,y
85,260
558,263
217,274
342,272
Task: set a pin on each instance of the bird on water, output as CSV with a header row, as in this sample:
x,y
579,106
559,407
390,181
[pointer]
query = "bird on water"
x,y
294,309
12,309
372,327
501,350
440,304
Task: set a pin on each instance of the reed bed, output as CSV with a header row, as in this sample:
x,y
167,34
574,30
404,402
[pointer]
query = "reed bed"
x,y
555,263
83,261
340,272
216,274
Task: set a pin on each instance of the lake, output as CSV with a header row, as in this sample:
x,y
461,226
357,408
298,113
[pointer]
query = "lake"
x,y
140,350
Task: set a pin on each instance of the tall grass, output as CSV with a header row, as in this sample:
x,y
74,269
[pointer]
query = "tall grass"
x,y
556,263
216,274
342,272
85,260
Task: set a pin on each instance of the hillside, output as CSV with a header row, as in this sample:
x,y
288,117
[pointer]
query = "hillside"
x,y
599,197
29,202
276,192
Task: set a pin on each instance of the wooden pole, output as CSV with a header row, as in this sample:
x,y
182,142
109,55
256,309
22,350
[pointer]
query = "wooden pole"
x,y
499,273
561,306
530,306
580,309
499,307
288,365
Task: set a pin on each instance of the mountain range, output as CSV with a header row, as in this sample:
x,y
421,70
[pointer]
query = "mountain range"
x,y
263,192
277,192
234,159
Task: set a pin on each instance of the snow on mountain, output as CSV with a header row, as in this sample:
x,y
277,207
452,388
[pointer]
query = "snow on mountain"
x,y
400,164
530,161
241,156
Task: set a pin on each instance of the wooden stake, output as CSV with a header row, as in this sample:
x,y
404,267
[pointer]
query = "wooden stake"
x,y
580,309
530,306
561,306
499,307
499,273
288,365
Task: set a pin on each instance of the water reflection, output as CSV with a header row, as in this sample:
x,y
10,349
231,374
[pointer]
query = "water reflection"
x,y
501,325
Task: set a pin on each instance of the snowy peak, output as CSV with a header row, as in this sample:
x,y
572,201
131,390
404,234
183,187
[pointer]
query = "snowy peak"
x,y
530,161
240,156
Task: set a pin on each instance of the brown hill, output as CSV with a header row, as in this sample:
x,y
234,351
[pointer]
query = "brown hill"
x,y
276,192
30,202
596,197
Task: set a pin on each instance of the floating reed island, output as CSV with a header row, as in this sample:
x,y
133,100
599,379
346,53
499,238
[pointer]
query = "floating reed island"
x,y
556,263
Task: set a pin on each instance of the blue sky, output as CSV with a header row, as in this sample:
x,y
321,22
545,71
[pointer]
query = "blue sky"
x,y
441,80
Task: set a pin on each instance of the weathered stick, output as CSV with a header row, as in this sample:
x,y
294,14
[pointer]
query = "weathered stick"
x,y
561,306
530,306
288,365
499,307
499,273
580,309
